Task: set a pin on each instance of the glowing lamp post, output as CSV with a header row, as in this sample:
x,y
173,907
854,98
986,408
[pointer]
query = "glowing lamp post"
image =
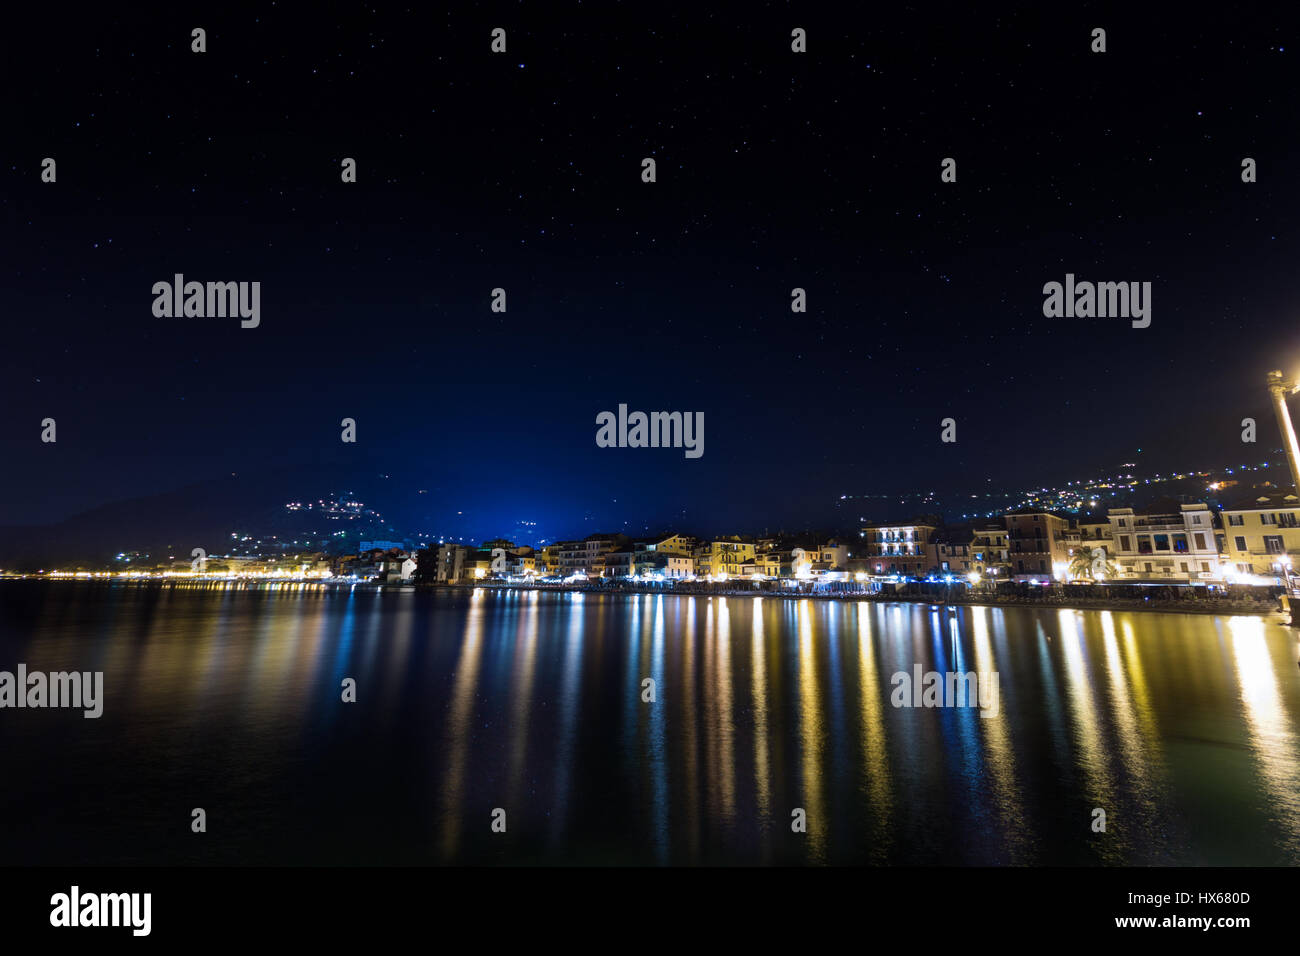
x,y
1280,388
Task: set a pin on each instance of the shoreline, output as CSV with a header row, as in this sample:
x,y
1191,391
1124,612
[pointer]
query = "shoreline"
x,y
1252,609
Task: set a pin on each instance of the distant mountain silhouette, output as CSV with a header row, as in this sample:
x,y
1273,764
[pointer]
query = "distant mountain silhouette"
x,y
202,515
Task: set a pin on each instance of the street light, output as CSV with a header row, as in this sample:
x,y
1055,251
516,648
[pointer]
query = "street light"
x,y
1280,388
1285,562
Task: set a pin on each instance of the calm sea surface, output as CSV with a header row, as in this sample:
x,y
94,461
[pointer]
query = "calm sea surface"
x,y
1184,729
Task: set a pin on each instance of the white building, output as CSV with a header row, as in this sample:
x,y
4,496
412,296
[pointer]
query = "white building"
x,y
1167,542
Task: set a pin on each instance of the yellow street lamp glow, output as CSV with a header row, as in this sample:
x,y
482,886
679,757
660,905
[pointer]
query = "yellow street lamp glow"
x,y
1280,388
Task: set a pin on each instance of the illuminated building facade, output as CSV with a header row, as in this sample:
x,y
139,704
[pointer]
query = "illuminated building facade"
x,y
1166,542
1036,545
989,553
954,550
723,556
902,549
1261,536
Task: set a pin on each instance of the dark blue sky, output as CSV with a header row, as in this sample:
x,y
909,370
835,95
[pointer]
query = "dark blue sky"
x,y
522,171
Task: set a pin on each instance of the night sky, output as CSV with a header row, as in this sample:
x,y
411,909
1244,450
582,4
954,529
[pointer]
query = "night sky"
x,y
523,171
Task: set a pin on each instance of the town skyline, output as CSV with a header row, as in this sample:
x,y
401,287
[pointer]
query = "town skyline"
x,y
18,545
1190,544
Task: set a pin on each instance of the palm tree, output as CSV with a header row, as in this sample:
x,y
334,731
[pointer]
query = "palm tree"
x,y
1091,563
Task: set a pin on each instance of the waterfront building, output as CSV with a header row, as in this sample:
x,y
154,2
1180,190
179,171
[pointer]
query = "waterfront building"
x,y
453,560
1088,536
1166,542
1036,543
1261,536
463,564
674,543
721,556
953,550
774,564
588,556
548,559
834,555
398,569
645,559
523,563
990,550
901,549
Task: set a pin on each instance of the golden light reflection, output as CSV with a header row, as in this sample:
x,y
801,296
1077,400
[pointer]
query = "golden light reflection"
x,y
722,768
1272,736
759,692
811,734
1086,727
998,750
570,697
459,731
1132,749
657,748
521,692
686,707
1140,688
875,747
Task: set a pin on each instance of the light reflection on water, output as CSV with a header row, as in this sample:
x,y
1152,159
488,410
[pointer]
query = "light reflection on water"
x,y
1182,728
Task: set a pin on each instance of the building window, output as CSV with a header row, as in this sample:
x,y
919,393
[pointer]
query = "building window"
x,y
1162,542
1200,541
1240,542
1273,544
1180,544
1267,519
1123,543
1144,544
